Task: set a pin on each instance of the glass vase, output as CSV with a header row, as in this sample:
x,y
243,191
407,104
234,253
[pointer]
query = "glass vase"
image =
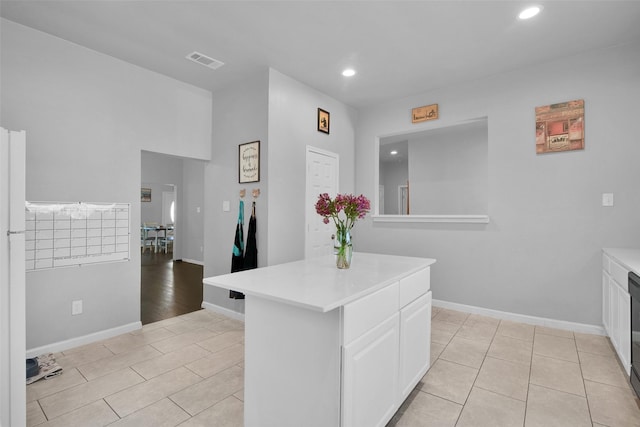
x,y
343,249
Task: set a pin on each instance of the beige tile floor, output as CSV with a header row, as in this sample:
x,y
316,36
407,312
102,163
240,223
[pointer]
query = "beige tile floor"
x,y
188,371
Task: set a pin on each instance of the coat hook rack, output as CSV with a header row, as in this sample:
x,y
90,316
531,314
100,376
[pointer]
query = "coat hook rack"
x,y
255,193
243,193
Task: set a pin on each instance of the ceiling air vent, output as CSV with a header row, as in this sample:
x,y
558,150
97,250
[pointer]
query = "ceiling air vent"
x,y
205,60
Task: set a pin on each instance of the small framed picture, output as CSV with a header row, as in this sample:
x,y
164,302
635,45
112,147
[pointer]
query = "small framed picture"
x,y
323,120
425,113
249,162
145,194
560,127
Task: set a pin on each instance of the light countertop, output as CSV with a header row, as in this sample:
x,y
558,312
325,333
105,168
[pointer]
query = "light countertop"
x,y
317,284
627,257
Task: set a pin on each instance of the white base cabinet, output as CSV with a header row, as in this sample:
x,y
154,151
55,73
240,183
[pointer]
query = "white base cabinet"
x,y
616,308
350,367
331,348
383,365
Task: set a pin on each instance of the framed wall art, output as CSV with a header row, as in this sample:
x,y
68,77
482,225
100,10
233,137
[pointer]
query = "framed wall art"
x,y
145,194
323,120
249,162
560,127
424,114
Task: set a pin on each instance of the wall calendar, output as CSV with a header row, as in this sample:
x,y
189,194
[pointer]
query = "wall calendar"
x,y
61,234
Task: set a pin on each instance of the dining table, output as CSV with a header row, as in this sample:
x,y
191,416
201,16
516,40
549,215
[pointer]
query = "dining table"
x,y
157,229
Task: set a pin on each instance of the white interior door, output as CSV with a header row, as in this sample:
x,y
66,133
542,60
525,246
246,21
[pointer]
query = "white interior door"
x,y
12,279
168,207
403,194
322,177
169,214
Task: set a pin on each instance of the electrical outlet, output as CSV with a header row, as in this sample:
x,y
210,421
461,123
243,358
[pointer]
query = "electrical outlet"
x,y
76,307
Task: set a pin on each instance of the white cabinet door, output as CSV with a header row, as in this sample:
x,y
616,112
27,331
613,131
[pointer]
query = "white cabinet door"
x,y
624,329
614,317
606,303
616,309
370,376
415,337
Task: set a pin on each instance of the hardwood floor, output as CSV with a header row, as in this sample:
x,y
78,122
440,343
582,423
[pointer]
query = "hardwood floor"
x,y
168,288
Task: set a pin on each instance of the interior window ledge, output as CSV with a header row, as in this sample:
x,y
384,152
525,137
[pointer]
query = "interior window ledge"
x,y
465,219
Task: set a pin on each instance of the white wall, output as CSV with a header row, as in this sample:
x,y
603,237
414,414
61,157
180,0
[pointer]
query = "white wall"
x,y
292,126
393,175
281,113
192,211
448,172
239,116
87,117
541,253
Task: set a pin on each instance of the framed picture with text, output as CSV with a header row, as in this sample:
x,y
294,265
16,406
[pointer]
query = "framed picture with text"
x,y
249,162
323,120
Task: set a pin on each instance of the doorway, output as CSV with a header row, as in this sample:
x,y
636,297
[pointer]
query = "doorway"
x,y
403,199
171,273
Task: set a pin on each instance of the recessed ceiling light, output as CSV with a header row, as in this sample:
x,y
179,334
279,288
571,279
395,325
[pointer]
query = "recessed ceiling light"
x,y
349,72
393,153
529,12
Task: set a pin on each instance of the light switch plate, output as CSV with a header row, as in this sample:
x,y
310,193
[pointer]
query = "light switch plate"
x,y
226,206
76,307
607,199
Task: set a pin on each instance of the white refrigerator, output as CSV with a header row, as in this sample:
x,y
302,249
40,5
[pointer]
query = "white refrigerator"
x,y
12,279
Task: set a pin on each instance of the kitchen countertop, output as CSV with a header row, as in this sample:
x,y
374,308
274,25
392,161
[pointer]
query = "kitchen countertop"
x,y
627,257
317,284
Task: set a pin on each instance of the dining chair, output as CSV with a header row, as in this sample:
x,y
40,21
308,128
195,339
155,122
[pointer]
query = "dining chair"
x,y
149,236
165,242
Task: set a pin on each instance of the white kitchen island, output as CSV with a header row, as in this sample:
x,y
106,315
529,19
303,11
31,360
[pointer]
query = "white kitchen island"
x,y
328,347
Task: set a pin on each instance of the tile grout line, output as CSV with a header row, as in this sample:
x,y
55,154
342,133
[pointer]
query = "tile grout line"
x,y
112,409
526,402
438,358
479,369
43,413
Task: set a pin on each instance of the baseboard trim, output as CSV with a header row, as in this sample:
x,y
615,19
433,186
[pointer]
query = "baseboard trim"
x,y
192,261
222,310
83,340
523,318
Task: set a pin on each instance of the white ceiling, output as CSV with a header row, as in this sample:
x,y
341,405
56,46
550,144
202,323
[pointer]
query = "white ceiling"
x,y
398,48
